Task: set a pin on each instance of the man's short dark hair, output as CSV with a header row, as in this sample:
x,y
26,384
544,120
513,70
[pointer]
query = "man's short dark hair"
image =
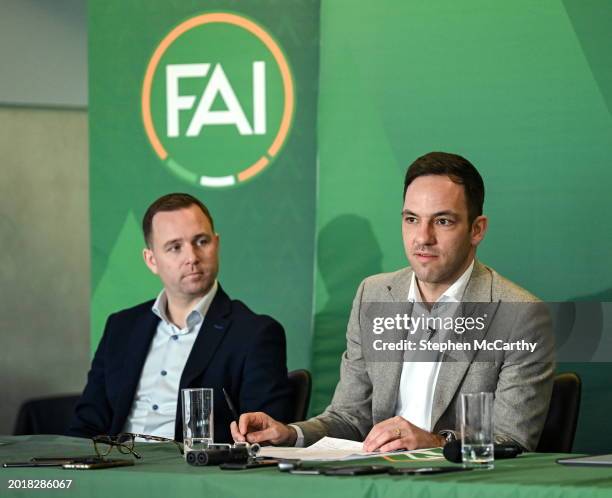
x,y
458,169
171,202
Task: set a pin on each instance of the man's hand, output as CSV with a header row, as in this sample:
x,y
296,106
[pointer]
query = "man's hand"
x,y
397,433
257,427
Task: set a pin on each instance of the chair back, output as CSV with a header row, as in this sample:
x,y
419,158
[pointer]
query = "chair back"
x,y
560,426
301,386
49,415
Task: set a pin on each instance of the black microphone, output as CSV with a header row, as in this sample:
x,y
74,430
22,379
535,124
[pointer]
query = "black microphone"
x,y
452,451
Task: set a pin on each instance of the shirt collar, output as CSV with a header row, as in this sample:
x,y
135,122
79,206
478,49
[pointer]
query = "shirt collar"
x,y
195,316
453,294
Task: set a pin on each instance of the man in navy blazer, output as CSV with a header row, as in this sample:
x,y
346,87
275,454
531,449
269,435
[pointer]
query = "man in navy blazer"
x,y
192,335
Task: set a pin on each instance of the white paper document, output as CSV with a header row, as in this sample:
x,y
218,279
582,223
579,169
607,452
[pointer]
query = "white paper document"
x,y
334,449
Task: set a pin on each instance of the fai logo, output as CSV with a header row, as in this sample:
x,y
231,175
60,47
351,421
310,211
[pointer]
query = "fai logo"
x,y
217,100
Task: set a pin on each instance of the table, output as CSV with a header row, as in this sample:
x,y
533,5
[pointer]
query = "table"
x,y
162,472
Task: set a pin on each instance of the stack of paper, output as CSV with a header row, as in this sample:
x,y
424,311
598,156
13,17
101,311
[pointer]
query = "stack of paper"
x,y
334,449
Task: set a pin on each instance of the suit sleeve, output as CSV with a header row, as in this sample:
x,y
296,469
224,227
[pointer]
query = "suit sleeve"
x,y
524,386
265,386
93,414
350,414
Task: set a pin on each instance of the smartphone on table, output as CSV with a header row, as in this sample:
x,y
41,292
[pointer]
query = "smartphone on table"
x,y
411,471
98,463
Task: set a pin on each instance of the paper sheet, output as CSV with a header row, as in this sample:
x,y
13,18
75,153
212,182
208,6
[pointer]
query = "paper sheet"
x,y
334,449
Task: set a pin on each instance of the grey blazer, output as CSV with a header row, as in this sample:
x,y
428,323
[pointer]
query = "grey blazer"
x,y
368,390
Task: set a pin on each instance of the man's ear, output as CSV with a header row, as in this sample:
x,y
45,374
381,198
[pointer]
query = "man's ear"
x,y
149,259
479,229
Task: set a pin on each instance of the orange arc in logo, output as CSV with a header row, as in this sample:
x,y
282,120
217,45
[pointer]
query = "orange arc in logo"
x,y
266,40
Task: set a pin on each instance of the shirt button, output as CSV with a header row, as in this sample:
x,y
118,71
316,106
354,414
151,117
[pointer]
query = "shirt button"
x,y
163,372
175,337
155,407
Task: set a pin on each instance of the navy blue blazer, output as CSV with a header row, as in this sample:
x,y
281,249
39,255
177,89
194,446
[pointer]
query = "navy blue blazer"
x,y
235,348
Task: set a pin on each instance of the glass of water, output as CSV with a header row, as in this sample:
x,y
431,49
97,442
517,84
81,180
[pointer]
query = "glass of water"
x,y
198,423
477,430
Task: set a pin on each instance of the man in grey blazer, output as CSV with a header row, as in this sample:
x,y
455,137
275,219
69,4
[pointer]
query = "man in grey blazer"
x,y
393,400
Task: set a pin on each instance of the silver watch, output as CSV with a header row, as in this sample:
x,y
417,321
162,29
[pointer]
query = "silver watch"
x,y
448,435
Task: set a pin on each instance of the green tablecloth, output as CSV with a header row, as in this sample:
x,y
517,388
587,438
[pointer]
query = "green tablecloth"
x,y
163,473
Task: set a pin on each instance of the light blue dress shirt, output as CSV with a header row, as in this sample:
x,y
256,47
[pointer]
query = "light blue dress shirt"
x,y
153,410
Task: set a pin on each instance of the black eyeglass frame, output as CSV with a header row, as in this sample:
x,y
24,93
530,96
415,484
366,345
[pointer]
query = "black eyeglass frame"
x,y
124,442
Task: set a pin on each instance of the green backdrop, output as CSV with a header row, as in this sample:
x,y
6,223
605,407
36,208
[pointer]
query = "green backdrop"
x,y
523,89
266,225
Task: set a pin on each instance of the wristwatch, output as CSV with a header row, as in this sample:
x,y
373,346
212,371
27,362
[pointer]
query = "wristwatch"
x,y
448,435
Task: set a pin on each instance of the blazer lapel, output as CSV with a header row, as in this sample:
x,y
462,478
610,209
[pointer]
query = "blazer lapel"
x,y
452,372
390,371
136,354
480,286
400,285
209,338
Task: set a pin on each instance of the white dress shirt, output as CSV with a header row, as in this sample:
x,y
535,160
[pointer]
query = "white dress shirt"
x,y
155,402
418,380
